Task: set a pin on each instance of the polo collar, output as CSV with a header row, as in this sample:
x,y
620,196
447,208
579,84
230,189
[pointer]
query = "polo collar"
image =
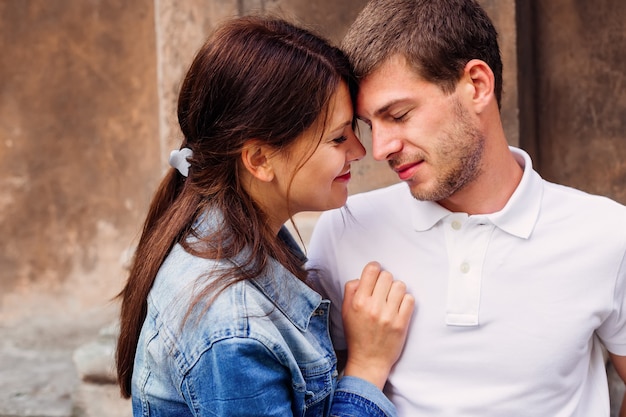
x,y
519,215
290,295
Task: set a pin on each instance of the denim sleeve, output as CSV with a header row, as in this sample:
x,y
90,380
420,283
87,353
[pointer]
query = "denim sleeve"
x,y
355,397
242,377
238,377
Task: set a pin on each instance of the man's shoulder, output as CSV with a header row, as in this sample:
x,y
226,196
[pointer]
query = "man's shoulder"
x,y
563,196
596,216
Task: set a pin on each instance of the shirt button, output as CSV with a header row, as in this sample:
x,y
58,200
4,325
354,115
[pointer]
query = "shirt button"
x,y
456,225
465,267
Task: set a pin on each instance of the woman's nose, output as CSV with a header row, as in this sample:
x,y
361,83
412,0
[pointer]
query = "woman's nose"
x,y
357,150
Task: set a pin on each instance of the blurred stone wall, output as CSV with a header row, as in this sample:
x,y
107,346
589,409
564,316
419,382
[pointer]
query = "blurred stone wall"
x,y
579,86
78,152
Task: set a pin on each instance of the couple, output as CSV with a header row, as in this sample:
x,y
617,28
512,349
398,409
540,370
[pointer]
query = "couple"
x,y
494,292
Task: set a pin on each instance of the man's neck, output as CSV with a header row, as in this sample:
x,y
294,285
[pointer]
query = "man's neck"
x,y
491,190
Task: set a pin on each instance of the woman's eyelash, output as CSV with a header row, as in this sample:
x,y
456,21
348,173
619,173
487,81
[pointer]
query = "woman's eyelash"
x,y
340,139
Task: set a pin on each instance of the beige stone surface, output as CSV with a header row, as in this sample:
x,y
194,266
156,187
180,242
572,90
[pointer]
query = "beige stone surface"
x,y
78,124
93,400
180,30
79,159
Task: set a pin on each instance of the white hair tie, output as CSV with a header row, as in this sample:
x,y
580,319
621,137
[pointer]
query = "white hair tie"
x,y
178,160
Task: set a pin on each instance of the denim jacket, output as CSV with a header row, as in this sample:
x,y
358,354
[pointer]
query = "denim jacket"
x,y
261,349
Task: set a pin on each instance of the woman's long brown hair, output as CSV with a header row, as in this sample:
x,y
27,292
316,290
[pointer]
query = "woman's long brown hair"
x,y
255,77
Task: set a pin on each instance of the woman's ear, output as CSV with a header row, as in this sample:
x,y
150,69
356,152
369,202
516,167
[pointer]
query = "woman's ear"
x,y
481,82
255,157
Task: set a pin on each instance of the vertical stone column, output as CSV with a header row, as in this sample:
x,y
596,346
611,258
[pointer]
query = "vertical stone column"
x,y
181,28
503,15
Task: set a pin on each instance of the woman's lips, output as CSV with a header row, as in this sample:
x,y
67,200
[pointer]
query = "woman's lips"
x,y
345,177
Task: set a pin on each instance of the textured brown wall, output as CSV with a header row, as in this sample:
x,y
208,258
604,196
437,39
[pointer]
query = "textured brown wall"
x,y
502,12
78,115
580,90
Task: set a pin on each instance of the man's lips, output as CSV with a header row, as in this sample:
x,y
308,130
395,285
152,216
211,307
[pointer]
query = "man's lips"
x,y
406,171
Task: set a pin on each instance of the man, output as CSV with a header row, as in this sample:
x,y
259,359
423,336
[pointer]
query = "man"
x,y
520,284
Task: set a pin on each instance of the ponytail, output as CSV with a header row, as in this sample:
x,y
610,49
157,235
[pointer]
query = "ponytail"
x,y
170,215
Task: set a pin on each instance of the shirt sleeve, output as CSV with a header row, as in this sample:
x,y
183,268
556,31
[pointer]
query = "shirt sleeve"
x,y
613,330
322,256
237,377
242,377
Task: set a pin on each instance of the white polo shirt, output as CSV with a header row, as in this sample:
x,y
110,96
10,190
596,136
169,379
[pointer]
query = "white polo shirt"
x,y
510,306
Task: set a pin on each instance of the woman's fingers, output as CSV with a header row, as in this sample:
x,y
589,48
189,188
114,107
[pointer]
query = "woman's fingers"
x,y
376,313
377,288
369,278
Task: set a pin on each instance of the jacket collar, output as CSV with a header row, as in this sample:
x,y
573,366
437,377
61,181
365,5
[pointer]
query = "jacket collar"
x,y
288,293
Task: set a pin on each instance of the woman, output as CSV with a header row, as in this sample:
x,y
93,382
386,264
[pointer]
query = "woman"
x,y
217,318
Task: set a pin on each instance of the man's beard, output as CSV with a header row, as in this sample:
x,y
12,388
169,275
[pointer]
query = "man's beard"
x,y
459,155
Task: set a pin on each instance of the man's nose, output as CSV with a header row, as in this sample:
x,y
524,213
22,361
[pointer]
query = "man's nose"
x,y
385,142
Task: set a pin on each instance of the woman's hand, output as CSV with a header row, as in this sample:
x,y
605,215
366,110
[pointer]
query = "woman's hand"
x,y
376,313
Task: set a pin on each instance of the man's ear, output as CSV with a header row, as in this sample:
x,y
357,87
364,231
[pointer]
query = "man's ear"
x,y
480,82
255,157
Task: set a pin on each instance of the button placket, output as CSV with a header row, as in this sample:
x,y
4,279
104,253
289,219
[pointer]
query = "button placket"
x,y
467,244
